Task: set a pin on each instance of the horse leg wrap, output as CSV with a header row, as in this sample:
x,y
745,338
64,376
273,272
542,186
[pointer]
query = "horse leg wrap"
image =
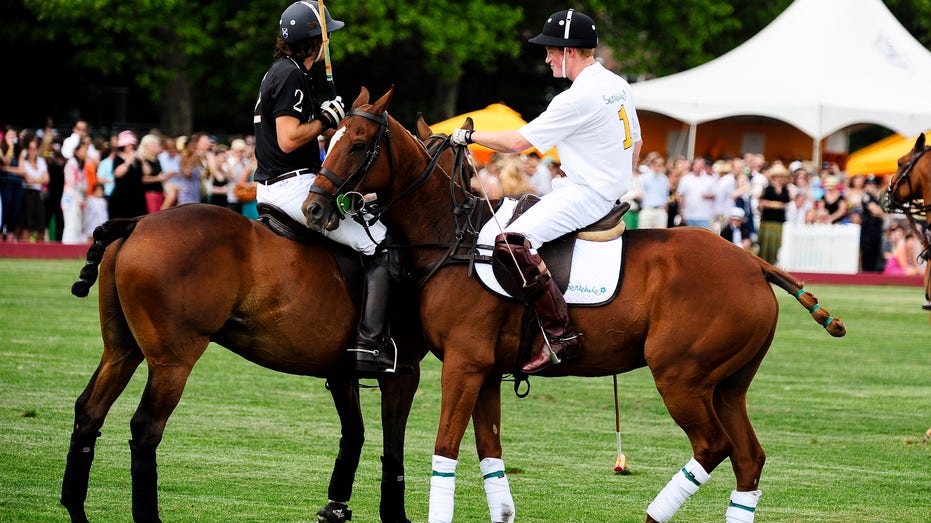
x,y
742,507
682,485
497,491
442,490
145,484
344,474
77,471
392,490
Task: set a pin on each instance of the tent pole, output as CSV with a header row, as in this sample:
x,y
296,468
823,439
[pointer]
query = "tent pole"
x,y
816,153
693,130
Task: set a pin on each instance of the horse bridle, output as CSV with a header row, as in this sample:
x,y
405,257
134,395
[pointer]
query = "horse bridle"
x,y
351,202
908,207
438,144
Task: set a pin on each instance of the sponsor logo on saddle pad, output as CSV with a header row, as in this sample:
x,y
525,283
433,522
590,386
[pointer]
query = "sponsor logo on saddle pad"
x,y
596,266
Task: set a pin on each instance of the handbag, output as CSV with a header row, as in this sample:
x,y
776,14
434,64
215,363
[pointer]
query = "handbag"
x,y
244,192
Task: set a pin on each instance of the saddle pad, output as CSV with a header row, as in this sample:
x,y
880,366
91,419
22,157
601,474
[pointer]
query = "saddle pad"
x,y
596,266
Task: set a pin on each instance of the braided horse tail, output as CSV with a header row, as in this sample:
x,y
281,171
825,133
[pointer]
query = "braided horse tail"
x,y
784,280
109,232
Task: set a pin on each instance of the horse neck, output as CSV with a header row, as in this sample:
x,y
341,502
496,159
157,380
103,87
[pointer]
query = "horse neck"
x,y
424,216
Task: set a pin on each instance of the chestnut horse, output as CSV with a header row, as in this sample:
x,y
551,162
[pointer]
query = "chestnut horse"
x,y
694,308
910,191
172,282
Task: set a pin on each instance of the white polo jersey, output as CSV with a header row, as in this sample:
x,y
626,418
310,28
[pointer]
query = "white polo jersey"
x,y
594,126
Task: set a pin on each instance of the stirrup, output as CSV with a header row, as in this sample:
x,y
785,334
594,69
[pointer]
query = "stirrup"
x,y
334,512
376,361
554,358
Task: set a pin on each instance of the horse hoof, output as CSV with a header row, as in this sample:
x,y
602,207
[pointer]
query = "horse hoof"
x,y
334,512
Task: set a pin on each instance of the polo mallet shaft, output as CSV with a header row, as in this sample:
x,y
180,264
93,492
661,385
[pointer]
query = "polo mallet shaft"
x,y
326,49
620,463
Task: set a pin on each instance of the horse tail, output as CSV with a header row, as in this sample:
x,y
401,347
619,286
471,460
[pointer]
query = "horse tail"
x,y
784,280
104,235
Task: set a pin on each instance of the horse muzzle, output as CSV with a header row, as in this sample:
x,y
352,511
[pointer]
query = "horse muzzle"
x,y
319,217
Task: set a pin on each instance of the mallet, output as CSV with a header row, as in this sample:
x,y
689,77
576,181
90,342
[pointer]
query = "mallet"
x,y
620,464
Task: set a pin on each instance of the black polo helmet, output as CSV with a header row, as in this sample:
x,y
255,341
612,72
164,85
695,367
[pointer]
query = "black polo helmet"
x,y
301,20
568,28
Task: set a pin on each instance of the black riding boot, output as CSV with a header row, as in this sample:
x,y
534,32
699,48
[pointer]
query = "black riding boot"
x,y
562,341
374,350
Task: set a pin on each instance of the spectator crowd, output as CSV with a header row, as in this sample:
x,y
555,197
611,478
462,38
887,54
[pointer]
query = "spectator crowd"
x,y
60,188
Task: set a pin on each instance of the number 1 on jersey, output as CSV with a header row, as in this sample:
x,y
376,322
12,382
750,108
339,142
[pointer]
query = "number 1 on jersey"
x,y
622,114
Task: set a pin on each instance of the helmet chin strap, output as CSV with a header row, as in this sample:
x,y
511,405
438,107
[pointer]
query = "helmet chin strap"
x,y
566,37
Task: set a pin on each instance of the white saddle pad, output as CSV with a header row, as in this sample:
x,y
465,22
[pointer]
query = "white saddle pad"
x,y
595,272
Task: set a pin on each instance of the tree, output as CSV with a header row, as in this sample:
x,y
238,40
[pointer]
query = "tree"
x,y
170,46
198,64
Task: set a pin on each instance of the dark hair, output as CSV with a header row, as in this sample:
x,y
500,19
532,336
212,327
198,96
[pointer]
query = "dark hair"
x,y
300,50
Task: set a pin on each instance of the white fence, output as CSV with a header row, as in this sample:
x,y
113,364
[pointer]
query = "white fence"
x,y
820,248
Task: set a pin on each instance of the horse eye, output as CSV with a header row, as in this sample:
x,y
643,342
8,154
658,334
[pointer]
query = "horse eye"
x,y
357,146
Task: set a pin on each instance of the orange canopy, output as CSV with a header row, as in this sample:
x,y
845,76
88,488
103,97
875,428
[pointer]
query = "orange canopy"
x,y
881,158
495,117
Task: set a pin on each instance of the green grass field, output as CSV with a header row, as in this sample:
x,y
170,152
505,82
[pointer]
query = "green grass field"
x,y
841,420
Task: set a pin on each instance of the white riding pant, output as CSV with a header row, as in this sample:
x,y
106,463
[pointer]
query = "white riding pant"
x,y
288,195
567,208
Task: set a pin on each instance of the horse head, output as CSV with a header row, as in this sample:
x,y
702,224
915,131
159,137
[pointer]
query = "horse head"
x,y
911,178
353,165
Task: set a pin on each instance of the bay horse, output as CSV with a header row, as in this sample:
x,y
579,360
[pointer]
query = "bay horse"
x,y
694,308
909,191
173,281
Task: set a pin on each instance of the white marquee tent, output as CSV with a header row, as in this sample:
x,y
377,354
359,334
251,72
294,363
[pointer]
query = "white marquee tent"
x,y
820,66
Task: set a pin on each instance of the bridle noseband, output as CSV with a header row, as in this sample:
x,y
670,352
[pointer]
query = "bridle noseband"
x,y
371,156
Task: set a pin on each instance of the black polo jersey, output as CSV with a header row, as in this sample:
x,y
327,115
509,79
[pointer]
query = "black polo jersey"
x,y
285,90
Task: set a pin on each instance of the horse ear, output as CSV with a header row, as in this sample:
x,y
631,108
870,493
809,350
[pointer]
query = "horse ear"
x,y
381,105
468,125
423,130
920,143
362,99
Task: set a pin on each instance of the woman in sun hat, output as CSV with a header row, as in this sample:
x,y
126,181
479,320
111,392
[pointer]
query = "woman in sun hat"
x,y
128,197
833,202
773,204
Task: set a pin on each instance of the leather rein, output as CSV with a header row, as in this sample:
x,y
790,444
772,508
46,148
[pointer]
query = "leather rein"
x,y
463,201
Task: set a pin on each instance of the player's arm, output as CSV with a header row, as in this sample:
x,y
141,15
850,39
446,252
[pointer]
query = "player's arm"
x,y
502,141
638,145
292,133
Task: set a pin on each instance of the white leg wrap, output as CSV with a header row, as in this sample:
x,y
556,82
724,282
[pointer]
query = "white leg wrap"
x,y
682,485
742,506
497,491
442,489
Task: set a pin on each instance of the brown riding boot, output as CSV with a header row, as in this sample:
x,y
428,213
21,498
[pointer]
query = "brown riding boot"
x,y
562,341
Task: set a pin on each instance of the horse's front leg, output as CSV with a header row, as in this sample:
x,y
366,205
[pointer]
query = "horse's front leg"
x,y
462,379
486,422
397,396
345,394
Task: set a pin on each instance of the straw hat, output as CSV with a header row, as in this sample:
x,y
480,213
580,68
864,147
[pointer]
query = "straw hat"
x,y
777,169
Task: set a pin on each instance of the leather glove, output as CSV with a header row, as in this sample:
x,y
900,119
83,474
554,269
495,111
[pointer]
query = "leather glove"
x,y
331,112
461,137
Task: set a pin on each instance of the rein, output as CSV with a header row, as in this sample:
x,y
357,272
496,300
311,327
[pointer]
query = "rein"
x,y
463,200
